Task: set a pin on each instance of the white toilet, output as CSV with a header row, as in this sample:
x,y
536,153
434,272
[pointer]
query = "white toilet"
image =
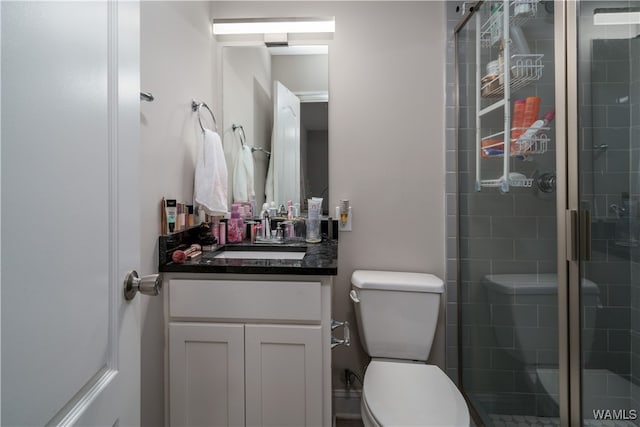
x,y
397,314
515,292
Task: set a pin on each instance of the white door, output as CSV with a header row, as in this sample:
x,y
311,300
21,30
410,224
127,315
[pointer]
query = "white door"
x,y
69,218
284,168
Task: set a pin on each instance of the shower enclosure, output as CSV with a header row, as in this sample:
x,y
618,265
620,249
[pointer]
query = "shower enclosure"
x,y
548,198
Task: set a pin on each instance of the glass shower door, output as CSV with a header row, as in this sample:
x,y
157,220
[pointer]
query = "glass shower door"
x,y
507,235
608,138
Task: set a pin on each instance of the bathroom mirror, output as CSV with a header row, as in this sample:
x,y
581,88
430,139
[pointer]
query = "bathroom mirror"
x,y
299,166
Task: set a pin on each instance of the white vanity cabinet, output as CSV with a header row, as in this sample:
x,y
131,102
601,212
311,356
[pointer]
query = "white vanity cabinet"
x,y
248,350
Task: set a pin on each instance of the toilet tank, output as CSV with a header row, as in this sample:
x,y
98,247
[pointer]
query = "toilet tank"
x,y
396,312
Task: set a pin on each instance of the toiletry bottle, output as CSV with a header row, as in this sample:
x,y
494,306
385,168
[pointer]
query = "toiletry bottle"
x,y
235,226
215,228
163,217
265,222
222,233
519,42
492,147
526,140
254,208
522,7
172,212
191,219
313,220
531,110
517,122
536,126
289,210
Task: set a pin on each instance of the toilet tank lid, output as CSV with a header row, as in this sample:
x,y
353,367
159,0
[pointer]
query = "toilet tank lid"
x,y
542,284
397,281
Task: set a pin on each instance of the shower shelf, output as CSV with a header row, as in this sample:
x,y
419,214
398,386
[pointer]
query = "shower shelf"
x,y
525,69
491,31
520,148
510,73
520,182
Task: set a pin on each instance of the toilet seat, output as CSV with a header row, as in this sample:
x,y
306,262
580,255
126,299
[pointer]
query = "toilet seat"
x,y
410,394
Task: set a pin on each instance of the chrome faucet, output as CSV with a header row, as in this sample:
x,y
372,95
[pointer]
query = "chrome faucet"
x,y
280,233
266,225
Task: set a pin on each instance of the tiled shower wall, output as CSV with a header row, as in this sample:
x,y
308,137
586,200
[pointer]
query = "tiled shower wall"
x,y
604,179
453,18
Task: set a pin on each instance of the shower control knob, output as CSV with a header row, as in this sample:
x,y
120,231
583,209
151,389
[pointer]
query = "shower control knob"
x,y
546,182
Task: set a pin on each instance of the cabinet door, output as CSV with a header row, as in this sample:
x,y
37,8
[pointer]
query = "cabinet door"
x,y
206,374
283,375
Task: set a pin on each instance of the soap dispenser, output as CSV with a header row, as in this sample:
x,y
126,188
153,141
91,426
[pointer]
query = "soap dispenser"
x,y
235,231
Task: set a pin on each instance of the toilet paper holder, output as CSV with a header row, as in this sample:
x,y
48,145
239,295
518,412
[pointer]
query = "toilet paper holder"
x,y
346,340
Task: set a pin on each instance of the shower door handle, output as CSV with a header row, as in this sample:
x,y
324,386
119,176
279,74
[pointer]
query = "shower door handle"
x,y
571,227
585,235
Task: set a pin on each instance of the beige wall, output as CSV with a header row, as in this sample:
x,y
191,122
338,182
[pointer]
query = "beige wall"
x,y
246,101
176,65
301,73
386,141
386,138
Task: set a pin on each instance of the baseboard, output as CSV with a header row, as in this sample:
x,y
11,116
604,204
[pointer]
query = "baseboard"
x,y
346,403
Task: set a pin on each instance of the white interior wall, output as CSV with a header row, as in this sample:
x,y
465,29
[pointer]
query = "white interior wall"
x,y
176,65
386,139
301,73
246,101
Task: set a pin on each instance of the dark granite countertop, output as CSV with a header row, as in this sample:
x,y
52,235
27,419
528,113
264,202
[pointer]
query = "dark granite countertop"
x,y
321,259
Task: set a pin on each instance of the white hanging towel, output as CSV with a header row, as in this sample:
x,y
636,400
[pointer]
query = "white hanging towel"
x,y
210,188
243,190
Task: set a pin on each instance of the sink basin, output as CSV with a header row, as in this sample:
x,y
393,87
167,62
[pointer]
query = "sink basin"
x,y
260,255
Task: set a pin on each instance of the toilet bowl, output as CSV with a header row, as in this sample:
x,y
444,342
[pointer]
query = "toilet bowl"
x,y
409,394
397,315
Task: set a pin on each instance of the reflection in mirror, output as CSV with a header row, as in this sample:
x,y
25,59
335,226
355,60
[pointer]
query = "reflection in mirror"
x,y
294,168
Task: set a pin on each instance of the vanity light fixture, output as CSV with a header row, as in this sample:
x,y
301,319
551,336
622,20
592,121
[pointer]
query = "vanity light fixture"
x,y
274,26
616,16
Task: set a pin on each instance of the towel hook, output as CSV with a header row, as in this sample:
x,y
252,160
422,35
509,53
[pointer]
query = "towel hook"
x,y
146,96
243,137
195,106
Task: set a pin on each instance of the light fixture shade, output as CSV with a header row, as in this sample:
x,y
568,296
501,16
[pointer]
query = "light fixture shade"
x,y
616,16
273,26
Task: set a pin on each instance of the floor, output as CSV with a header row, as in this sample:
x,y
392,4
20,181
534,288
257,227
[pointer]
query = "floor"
x,y
341,422
530,421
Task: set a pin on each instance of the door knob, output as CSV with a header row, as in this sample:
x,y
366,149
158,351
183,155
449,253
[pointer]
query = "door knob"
x,y
147,285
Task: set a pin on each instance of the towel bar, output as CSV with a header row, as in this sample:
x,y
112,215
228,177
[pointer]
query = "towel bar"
x,y
195,106
243,139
